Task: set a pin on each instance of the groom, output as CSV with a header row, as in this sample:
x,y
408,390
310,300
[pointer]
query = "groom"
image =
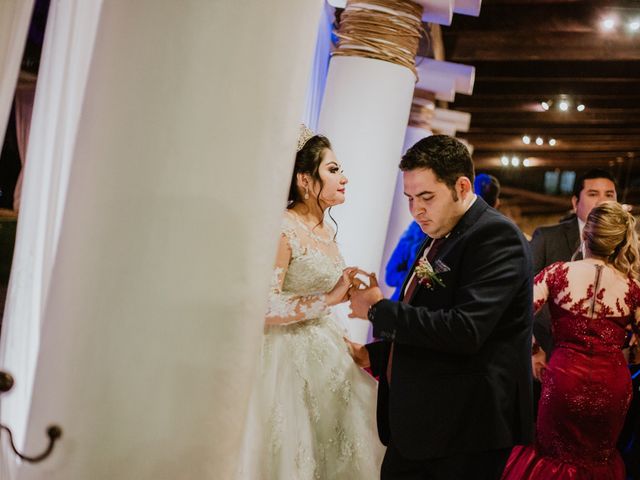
x,y
454,360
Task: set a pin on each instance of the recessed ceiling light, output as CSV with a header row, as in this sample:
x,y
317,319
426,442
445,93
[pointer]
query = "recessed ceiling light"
x,y
515,161
563,105
634,25
580,108
539,141
545,105
526,162
504,160
526,140
552,142
609,23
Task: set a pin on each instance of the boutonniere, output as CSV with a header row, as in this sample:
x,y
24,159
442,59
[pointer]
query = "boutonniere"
x,y
427,275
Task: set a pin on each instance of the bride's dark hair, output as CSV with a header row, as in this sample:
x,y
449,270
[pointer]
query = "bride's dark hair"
x,y
308,161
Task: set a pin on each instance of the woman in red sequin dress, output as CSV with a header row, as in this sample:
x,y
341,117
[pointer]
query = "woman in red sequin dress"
x,y
586,387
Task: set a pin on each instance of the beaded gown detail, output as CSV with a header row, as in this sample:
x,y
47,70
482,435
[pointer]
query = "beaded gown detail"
x,y
312,411
586,387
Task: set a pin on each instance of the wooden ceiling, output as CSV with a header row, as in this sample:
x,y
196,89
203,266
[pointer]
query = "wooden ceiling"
x,y
528,51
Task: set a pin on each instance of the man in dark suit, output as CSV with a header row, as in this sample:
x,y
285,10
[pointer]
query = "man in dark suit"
x,y
454,359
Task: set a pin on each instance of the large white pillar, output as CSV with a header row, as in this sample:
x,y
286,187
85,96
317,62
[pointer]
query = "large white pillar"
x,y
179,178
366,127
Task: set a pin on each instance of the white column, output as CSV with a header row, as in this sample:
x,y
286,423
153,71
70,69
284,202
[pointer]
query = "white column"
x,y
15,16
464,76
467,7
178,183
445,79
450,122
366,128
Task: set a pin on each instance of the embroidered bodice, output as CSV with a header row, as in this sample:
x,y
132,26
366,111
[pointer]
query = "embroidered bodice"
x,y
313,267
591,304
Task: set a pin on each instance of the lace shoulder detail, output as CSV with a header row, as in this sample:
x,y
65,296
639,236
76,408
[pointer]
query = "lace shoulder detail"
x,y
632,298
289,230
587,289
556,279
548,283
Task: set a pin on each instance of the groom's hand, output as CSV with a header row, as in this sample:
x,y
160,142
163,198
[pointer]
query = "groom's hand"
x,y
362,297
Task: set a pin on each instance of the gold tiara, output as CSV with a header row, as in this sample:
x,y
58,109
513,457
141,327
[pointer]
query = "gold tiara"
x,y
304,136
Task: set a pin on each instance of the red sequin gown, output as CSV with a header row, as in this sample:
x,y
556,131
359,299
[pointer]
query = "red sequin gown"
x,y
586,387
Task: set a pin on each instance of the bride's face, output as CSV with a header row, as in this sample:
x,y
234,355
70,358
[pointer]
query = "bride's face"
x,y
334,188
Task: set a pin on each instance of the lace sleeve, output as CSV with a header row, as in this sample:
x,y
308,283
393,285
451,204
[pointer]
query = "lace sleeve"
x,y
550,282
540,290
285,308
633,300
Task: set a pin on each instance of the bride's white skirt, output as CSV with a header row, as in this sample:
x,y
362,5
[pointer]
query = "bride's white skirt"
x,y
312,412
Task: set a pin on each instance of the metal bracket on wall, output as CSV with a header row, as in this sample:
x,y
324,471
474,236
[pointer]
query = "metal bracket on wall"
x,y
53,432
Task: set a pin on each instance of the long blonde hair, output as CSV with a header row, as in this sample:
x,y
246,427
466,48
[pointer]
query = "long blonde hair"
x,y
610,233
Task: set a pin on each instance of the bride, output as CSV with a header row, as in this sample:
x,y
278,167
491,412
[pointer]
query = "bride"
x,y
312,411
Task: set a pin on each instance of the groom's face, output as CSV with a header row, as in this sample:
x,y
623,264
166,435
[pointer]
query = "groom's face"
x,y
434,206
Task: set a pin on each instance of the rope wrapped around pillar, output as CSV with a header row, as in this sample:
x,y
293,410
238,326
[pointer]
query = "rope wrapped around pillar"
x,y
388,30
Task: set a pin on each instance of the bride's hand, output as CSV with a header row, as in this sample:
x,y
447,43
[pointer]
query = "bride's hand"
x,y
358,352
340,292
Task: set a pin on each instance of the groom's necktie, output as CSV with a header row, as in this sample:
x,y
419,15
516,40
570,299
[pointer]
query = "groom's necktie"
x,y
411,288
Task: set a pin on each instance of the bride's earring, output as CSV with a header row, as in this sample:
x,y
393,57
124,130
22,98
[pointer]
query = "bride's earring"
x,y
306,193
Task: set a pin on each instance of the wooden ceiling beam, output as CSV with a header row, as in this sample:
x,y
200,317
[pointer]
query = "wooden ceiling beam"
x,y
555,130
557,17
533,87
533,120
554,69
589,143
492,162
525,45
532,106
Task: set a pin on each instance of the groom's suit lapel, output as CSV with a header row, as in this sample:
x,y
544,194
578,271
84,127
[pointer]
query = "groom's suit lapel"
x,y
470,217
421,250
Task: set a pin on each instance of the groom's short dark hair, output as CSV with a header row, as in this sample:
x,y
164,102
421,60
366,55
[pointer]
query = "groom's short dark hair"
x,y
448,158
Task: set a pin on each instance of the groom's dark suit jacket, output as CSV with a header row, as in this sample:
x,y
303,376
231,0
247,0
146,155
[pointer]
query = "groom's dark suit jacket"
x,y
461,370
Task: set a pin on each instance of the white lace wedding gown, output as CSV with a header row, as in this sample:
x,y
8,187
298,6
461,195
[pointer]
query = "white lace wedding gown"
x,y
312,412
